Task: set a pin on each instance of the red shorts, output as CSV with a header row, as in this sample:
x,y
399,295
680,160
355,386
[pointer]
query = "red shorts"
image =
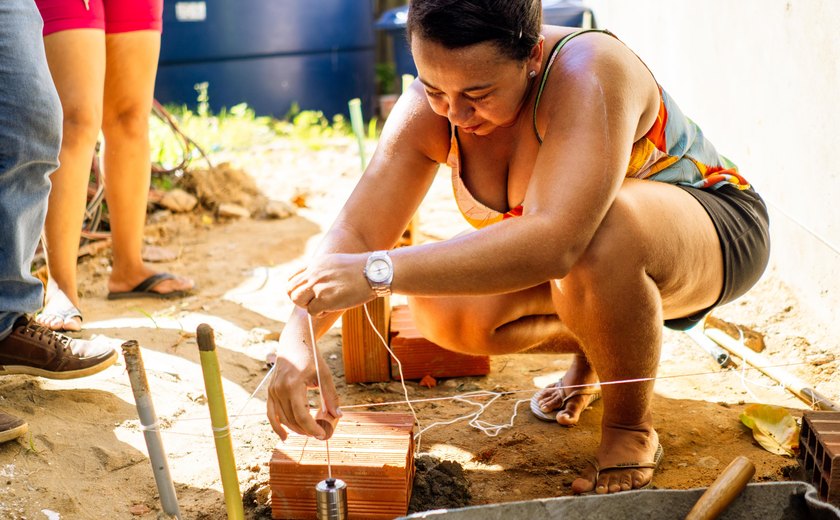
x,y
112,16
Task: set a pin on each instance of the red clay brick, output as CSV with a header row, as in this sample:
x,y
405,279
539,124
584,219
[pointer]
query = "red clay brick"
x,y
819,452
372,452
420,357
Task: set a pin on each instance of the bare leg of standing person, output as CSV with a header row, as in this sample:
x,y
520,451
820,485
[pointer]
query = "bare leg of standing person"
x,y
77,63
131,59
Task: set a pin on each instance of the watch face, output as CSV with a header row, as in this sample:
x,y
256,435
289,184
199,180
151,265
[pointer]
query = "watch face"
x,y
379,271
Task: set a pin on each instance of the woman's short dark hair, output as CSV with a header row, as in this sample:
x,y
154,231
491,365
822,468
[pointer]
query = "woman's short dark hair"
x,y
512,25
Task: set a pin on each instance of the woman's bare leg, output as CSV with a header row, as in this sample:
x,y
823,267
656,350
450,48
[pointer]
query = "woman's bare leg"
x,y
507,323
77,64
656,256
129,89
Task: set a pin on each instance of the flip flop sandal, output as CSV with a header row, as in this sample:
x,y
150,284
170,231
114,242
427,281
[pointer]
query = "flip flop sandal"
x,y
551,416
144,289
657,458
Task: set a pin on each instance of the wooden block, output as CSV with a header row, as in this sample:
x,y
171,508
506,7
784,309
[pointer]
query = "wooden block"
x,y
366,360
421,357
752,339
372,452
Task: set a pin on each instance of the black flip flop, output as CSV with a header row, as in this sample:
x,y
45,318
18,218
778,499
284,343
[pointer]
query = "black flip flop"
x,y
144,289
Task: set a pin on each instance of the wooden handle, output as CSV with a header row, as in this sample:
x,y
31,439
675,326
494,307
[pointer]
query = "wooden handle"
x,y
724,490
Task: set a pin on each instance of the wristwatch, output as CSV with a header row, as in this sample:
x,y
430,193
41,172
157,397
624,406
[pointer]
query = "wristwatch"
x,y
379,272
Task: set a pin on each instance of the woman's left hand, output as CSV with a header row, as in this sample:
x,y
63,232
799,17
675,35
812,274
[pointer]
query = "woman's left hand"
x,y
332,282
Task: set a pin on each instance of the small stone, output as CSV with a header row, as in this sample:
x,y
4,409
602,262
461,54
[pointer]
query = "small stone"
x,y
278,209
139,509
178,201
708,462
258,335
227,210
397,388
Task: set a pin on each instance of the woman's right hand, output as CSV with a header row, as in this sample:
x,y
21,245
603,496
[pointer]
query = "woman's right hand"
x,y
294,374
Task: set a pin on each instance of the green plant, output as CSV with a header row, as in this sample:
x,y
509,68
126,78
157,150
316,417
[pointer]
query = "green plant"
x,y
146,314
237,128
386,77
203,98
31,445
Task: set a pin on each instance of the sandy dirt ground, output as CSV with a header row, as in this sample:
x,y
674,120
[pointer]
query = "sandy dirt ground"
x,y
85,457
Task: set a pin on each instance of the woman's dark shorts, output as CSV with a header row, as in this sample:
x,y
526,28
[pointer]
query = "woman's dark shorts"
x,y
740,218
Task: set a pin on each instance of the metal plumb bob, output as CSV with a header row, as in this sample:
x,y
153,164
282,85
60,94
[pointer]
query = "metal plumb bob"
x,y
331,499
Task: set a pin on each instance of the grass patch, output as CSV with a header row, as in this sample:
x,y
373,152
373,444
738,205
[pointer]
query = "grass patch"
x,y
239,128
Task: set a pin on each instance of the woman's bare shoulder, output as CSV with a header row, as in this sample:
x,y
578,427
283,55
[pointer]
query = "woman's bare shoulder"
x,y
413,125
595,68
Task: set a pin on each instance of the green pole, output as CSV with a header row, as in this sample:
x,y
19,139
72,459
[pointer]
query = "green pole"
x,y
219,421
407,80
357,122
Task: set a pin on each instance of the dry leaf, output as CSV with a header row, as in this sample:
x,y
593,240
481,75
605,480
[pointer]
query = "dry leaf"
x,y
428,381
773,427
299,200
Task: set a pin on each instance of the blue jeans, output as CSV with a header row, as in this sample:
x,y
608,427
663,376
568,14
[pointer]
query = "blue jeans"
x,y
30,139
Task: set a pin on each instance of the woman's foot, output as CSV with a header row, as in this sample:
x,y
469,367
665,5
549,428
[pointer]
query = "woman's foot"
x,y
59,313
148,283
626,459
570,396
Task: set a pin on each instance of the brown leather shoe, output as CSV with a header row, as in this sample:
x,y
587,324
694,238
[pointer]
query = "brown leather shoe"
x,y
36,350
11,427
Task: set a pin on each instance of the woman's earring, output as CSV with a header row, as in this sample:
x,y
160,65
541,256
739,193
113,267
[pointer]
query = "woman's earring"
x,y
532,74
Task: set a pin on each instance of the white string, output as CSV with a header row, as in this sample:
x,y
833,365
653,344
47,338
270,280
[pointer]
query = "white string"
x,y
489,429
753,382
149,427
254,393
402,379
320,389
475,421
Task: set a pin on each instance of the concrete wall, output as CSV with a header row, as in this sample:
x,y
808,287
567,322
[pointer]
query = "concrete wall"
x,y
762,79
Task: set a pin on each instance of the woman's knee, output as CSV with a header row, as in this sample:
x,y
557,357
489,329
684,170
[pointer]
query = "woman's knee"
x,y
81,125
131,122
452,326
618,246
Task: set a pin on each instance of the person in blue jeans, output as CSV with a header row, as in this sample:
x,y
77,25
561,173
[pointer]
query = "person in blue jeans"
x,y
30,138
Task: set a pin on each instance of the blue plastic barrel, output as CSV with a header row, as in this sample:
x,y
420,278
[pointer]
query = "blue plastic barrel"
x,y
570,13
268,53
